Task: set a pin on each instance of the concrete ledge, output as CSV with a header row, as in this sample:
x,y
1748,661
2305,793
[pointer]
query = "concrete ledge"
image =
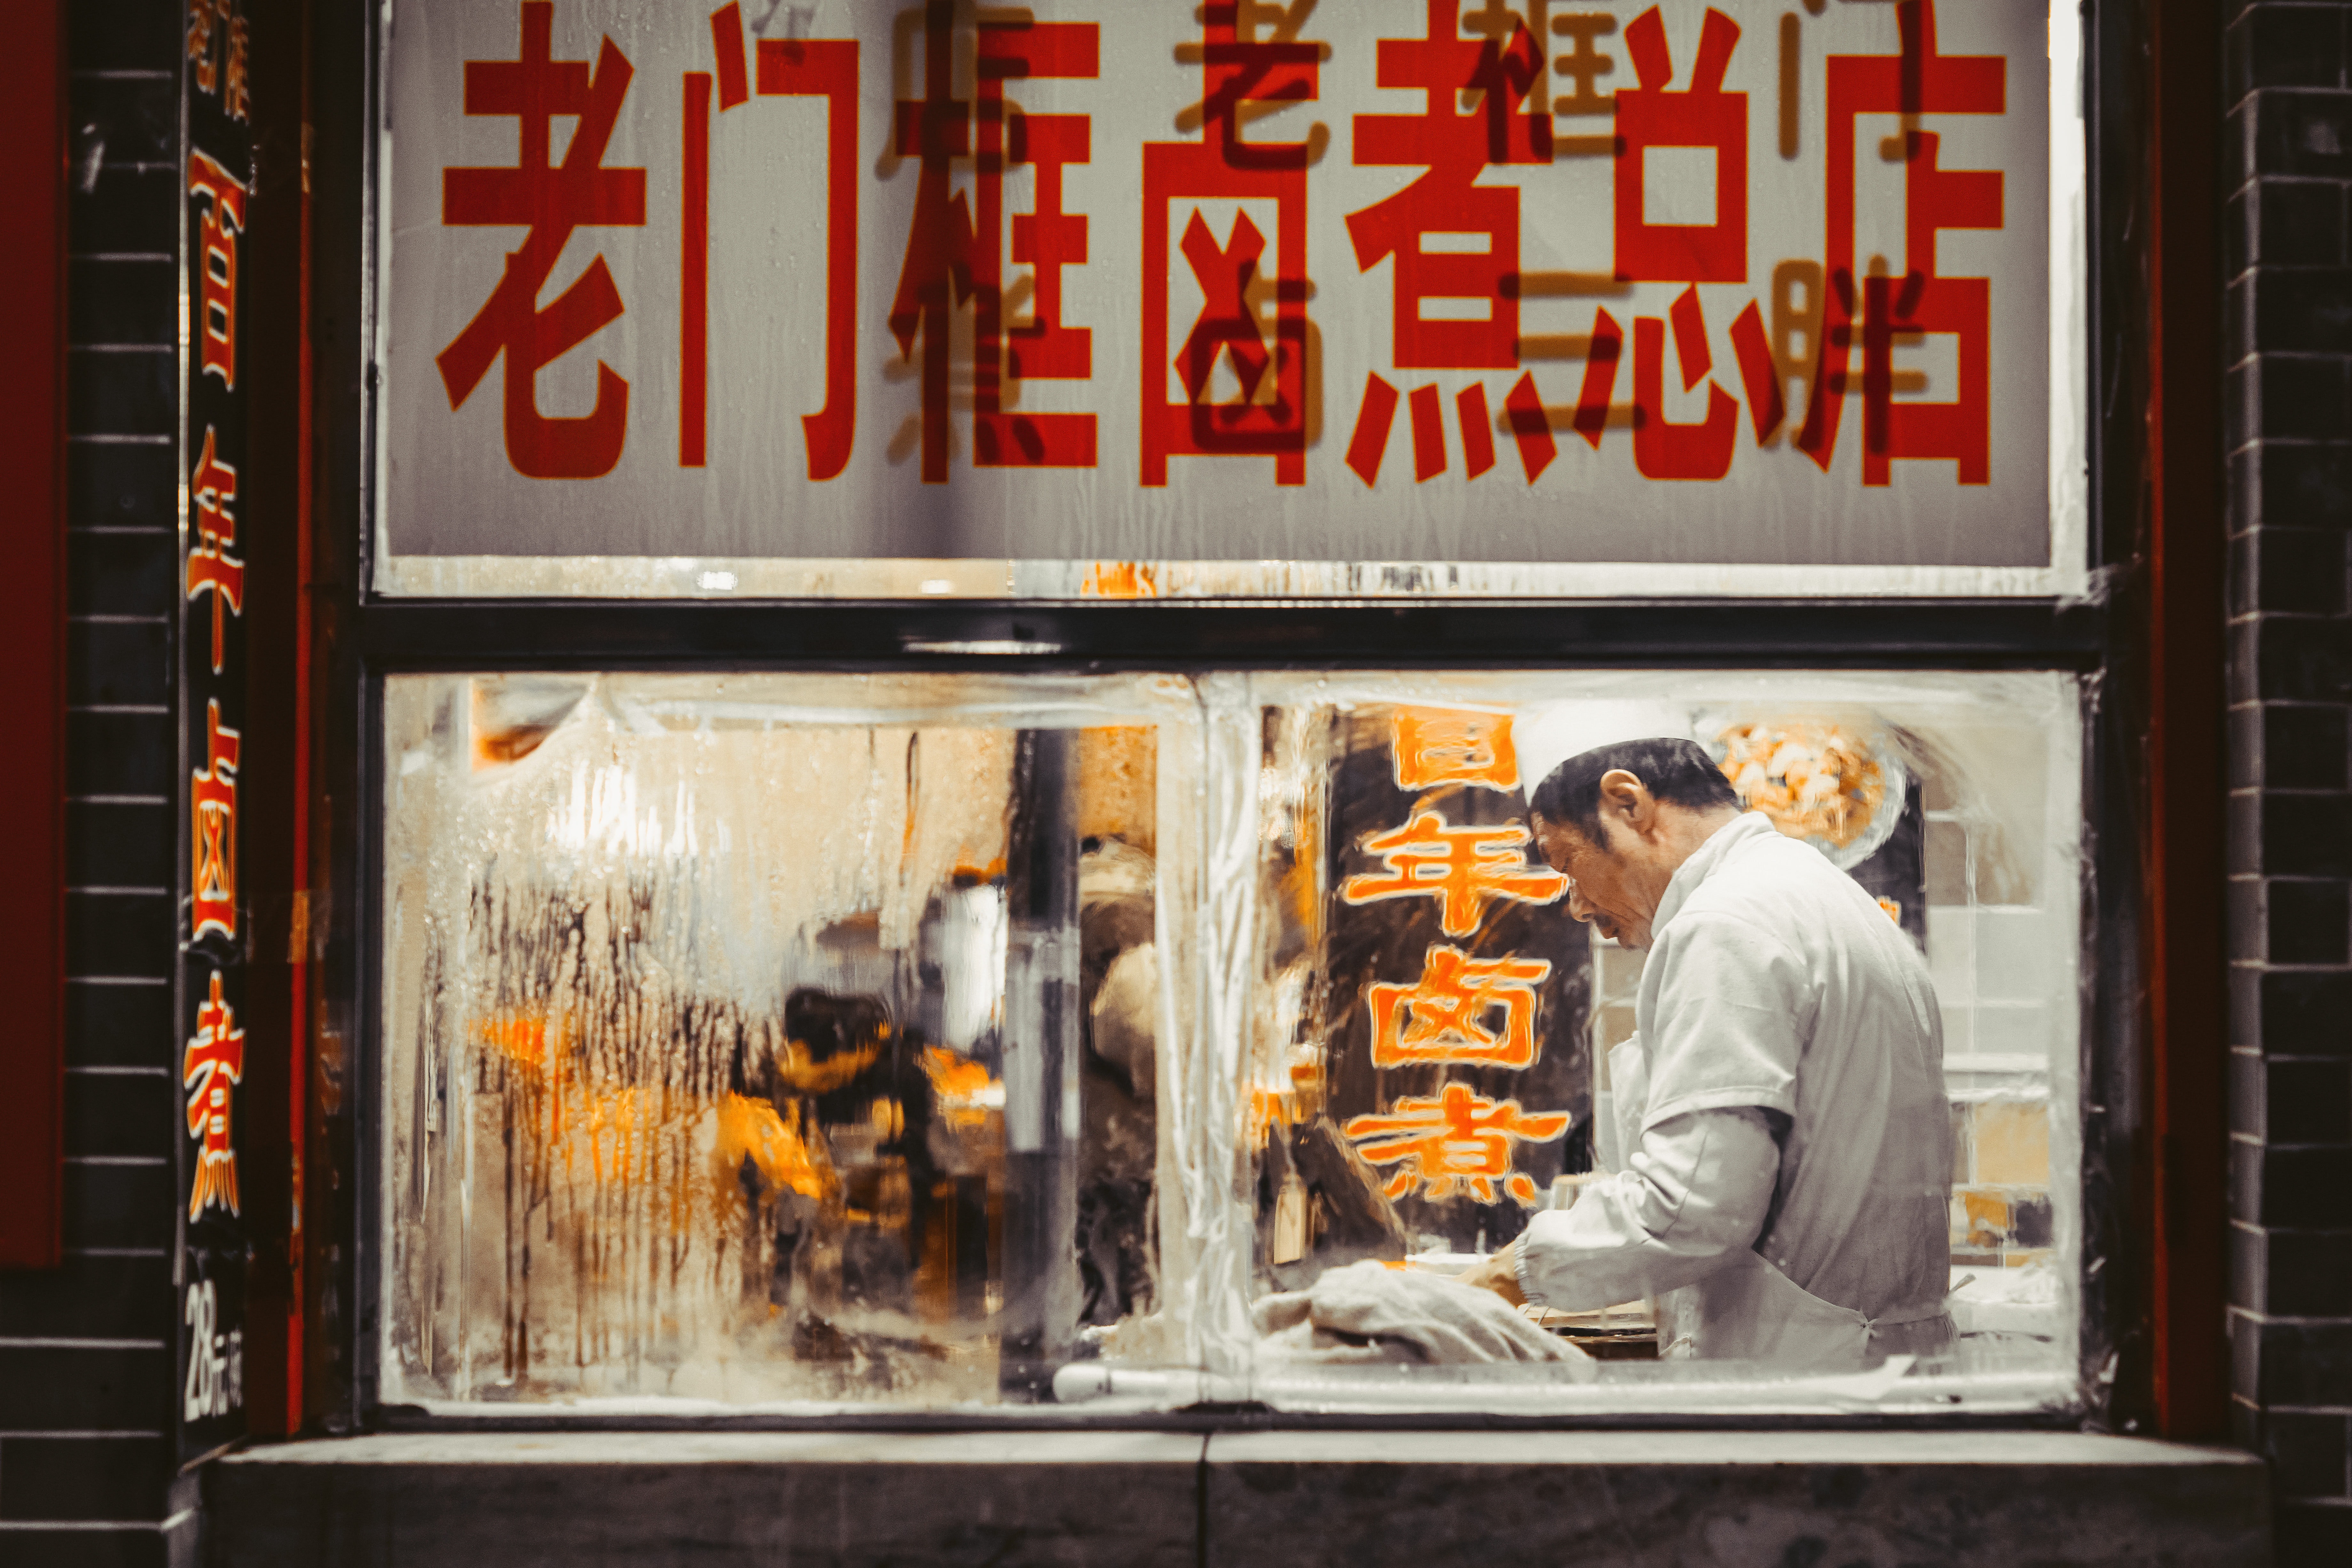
x,y
1364,1499
1738,1500
712,1500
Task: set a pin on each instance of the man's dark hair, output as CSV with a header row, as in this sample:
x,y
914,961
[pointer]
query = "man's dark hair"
x,y
1678,772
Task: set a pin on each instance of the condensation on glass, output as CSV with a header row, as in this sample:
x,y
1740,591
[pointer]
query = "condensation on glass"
x,y
800,1041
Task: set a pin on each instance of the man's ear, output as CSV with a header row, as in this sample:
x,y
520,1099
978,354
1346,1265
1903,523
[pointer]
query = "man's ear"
x,y
1626,795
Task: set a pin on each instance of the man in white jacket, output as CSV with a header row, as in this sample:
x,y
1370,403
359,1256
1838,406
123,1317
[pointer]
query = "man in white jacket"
x,y
1783,1097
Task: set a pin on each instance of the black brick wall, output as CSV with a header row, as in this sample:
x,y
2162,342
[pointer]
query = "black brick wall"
x,y
86,1378
2288,162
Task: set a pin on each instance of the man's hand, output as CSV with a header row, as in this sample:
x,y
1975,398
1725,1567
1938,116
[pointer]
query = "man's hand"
x,y
1499,1273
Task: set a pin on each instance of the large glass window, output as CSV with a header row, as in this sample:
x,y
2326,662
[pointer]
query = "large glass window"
x,y
760,1040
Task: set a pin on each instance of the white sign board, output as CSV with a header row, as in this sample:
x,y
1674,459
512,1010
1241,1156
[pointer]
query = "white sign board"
x,y
1642,289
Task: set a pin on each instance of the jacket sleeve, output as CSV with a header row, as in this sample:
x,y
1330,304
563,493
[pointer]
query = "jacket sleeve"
x,y
1696,1190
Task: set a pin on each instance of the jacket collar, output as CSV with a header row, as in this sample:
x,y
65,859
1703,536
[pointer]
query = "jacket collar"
x,y
1703,862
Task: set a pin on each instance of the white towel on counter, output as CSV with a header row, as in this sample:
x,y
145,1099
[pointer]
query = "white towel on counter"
x,y
1367,1312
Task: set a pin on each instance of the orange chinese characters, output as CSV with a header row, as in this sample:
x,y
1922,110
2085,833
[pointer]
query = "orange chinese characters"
x,y
214,1063
1464,868
219,224
1444,1015
212,832
1438,745
220,44
212,490
549,201
1454,1138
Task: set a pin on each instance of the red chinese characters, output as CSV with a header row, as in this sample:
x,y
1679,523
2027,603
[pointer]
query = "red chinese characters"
x,y
788,68
954,252
1454,1138
218,222
1440,745
1701,116
1918,80
212,831
1270,415
1651,119
1448,1015
550,200
212,489
211,1068
1452,244
1463,868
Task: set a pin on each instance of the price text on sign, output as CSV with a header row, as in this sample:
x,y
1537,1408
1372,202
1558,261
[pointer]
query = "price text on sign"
x,y
1556,280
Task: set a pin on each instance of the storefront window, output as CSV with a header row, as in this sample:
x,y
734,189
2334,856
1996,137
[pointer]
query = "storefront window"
x,y
756,1041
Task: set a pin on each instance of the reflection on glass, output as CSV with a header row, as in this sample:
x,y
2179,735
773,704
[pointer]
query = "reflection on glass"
x,y
762,1040
771,1040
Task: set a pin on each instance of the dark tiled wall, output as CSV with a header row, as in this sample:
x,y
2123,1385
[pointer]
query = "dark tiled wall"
x,y
86,1376
2289,338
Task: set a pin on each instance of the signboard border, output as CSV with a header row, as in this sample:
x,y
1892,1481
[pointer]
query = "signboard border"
x,y
2065,576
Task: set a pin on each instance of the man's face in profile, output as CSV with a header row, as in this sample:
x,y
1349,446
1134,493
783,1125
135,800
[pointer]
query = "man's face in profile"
x,y
1600,888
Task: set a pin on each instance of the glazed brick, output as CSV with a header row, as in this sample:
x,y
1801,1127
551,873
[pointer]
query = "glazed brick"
x,y
2241,828
118,933
114,663
2309,922
2307,1454
2287,222
121,394
2246,1105
83,1477
119,1205
2292,659
2245,1164
121,753
2304,1013
2292,395
125,210
111,1297
2296,1363
2291,570
122,573
2293,484
116,846
2306,835
2303,748
2309,1188
138,117
2288,131
120,1114
123,35
2242,751
118,1026
122,301
114,486
2282,46
2244,900
51,1389
2247,1285
2306,1273
2307,1101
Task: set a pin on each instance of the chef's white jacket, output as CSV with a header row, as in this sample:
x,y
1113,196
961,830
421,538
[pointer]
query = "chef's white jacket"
x,y
1783,1095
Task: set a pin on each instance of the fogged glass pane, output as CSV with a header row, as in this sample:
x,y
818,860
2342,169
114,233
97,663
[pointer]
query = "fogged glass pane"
x,y
1429,1061
763,1039
777,1039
